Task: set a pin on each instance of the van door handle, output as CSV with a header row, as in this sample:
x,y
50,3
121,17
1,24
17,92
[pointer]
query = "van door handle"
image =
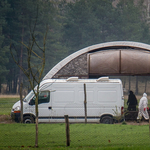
x,y
50,107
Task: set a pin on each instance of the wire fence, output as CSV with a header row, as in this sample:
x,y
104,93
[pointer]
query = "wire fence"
x,y
81,135
128,133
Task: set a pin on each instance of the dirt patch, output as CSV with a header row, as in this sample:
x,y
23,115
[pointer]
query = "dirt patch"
x,y
135,123
6,119
9,96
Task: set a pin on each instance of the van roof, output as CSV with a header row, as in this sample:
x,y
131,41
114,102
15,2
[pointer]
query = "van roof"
x,y
76,79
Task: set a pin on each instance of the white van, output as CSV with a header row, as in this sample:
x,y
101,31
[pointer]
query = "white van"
x,y
59,97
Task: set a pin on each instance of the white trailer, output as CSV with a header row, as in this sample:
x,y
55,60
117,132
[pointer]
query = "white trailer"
x,y
59,97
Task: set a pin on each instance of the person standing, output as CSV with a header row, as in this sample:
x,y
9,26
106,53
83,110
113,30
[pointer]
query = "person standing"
x,y
143,108
132,101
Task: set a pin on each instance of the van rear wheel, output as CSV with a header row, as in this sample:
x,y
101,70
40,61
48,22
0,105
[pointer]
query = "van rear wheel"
x,y
106,120
28,119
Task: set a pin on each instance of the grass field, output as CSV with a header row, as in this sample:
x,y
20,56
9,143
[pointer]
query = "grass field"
x,y
6,105
82,136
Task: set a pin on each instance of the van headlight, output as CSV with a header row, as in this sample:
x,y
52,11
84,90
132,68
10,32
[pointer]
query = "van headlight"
x,y
17,108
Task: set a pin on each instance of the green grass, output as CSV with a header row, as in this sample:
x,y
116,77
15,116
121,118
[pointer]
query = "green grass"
x,y
6,105
82,136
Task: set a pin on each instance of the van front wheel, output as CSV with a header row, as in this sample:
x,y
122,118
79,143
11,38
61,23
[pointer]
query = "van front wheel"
x,y
106,120
28,119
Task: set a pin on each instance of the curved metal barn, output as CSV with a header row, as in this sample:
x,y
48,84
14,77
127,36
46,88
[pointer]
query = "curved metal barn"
x,y
111,58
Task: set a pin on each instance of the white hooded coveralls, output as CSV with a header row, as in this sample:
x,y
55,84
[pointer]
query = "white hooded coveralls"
x,y
143,104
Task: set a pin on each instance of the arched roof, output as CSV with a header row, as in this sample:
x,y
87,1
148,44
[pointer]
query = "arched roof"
x,y
114,44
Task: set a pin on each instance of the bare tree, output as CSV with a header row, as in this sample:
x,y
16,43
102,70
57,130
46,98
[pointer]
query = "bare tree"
x,y
34,69
21,102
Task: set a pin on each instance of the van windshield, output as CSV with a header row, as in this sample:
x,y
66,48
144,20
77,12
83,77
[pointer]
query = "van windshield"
x,y
29,96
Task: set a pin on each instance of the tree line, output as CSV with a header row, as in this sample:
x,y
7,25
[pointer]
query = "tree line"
x,y
72,25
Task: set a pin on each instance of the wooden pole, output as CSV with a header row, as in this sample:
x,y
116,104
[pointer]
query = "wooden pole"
x,y
21,102
149,124
85,101
67,131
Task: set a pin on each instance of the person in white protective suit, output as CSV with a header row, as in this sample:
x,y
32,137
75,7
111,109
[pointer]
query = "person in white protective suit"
x,y
143,108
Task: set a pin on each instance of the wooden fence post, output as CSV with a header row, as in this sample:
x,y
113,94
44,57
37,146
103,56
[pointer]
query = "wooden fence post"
x,y
149,125
85,101
67,131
